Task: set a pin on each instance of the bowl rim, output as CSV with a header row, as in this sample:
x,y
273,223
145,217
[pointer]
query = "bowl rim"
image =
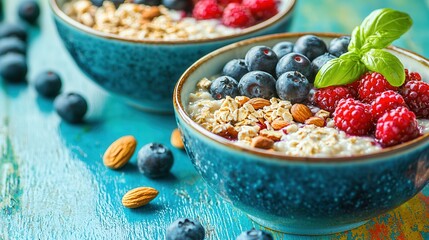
x,y
180,110
247,31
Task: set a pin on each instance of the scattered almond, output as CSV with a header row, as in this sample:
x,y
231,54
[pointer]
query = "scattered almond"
x,y
119,152
176,139
300,112
138,197
278,124
315,121
258,103
242,100
151,12
229,133
262,142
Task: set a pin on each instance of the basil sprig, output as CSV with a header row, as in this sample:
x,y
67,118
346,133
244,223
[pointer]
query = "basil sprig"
x,y
377,31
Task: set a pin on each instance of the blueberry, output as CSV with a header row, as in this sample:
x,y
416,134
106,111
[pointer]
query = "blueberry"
x,y
185,229
148,2
294,62
29,11
117,2
293,86
318,62
283,48
339,46
236,68
255,234
13,67
12,44
71,107
224,86
97,3
13,30
48,84
155,160
261,58
311,46
177,4
257,84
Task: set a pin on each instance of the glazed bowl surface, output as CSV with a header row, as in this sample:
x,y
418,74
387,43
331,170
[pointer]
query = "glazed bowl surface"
x,y
144,72
301,195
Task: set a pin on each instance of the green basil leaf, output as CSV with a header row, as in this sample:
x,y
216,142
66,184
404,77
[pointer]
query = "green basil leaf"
x,y
339,71
378,60
356,40
382,27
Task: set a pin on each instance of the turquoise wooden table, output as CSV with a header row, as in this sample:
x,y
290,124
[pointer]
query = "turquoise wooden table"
x,y
53,184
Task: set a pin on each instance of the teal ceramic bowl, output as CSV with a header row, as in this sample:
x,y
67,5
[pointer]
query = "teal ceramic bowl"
x,y
144,72
301,195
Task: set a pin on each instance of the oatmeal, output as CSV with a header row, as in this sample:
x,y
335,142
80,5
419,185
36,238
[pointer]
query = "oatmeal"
x,y
237,119
138,21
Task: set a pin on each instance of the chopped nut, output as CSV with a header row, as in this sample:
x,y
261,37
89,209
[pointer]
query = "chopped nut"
x,y
258,103
323,114
278,124
300,112
262,142
315,121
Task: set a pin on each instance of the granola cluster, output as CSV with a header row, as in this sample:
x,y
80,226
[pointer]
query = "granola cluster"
x,y
137,21
272,126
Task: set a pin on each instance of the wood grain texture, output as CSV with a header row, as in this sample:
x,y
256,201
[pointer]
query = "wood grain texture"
x,y
53,184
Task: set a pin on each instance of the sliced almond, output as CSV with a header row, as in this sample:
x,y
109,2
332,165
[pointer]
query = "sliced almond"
x,y
119,152
176,139
258,103
300,112
315,121
262,142
138,197
278,124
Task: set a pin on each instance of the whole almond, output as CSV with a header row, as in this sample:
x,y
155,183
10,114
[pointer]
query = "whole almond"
x,y
176,139
241,100
258,103
315,121
119,152
300,112
278,124
138,197
262,142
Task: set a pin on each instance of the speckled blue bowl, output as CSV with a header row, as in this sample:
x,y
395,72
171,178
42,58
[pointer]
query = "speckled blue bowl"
x,y
144,72
301,195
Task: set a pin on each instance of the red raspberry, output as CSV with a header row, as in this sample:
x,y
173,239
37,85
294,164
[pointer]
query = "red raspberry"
x,y
206,9
354,87
261,8
328,98
237,15
412,76
372,85
353,117
396,126
385,102
416,95
226,2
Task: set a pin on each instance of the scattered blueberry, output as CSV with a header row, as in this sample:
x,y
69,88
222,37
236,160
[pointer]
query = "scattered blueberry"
x,y
97,3
339,46
255,234
13,67
261,58
318,62
148,2
294,62
257,84
311,46
185,229
177,4
71,107
29,11
293,86
13,30
48,84
117,2
155,160
12,44
283,48
236,68
224,86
